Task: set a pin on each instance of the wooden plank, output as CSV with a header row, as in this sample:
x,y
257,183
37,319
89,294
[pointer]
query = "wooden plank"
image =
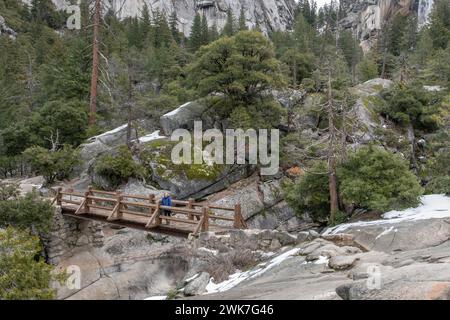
x,y
199,226
181,210
205,227
130,196
135,213
113,216
71,201
178,220
139,204
81,207
96,206
102,199
153,219
73,194
111,193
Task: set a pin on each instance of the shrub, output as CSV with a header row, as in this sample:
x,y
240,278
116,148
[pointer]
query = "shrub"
x,y
53,165
23,273
375,179
26,212
222,265
119,168
311,193
9,191
440,174
413,105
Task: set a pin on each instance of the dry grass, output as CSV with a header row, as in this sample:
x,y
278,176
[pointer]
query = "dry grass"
x,y
221,266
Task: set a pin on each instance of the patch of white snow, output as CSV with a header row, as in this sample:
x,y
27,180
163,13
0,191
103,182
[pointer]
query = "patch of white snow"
x,y
157,298
239,277
435,206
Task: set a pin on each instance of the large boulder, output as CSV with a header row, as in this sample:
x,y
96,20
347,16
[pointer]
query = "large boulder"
x,y
99,145
182,117
412,282
197,285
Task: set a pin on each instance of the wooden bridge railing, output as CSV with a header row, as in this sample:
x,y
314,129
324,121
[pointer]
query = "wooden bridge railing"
x,y
116,204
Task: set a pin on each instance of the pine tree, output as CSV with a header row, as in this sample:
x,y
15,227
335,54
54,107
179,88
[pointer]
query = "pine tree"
x,y
214,33
439,28
195,37
145,21
229,28
242,20
204,31
173,22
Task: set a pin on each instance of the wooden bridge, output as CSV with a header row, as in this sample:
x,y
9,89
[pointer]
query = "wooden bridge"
x,y
146,212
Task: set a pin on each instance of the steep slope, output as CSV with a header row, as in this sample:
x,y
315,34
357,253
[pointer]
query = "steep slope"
x,y
367,18
270,15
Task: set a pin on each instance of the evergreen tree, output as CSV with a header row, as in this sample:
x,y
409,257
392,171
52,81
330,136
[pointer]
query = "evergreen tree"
x,y
195,37
214,33
204,31
229,28
173,22
439,27
242,20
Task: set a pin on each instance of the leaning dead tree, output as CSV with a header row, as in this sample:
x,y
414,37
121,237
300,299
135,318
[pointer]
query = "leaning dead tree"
x,y
95,62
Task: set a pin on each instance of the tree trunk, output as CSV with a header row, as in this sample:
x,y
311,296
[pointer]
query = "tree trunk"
x,y
95,63
334,203
412,141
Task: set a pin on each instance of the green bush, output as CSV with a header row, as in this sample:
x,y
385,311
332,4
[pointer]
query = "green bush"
x,y
119,168
438,185
310,194
9,191
53,165
375,179
413,105
440,174
26,212
24,275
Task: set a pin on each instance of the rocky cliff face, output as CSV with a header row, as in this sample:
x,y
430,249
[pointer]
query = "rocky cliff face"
x,y
367,17
270,15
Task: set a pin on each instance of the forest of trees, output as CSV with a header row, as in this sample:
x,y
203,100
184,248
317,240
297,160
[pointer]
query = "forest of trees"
x,y
59,87
50,104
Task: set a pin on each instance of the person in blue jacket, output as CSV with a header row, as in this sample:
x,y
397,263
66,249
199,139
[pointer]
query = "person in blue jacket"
x,y
166,201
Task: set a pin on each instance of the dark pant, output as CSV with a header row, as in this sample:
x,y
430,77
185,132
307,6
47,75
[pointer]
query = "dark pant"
x,y
166,213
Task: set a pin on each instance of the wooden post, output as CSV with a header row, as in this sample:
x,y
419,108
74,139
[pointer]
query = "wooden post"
x,y
157,211
191,206
237,217
88,201
205,227
119,204
59,196
151,200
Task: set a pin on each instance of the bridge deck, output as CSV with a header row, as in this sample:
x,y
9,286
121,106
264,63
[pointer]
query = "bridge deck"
x,y
145,213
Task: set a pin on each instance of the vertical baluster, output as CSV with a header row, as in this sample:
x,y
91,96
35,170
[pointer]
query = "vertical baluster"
x,y
205,211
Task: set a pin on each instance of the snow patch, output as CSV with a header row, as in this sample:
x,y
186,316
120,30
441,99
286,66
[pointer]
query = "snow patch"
x,y
193,277
157,298
322,260
239,277
385,232
435,206
116,130
174,112
213,252
151,137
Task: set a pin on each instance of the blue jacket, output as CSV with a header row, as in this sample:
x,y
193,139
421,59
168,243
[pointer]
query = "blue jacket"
x,y
166,201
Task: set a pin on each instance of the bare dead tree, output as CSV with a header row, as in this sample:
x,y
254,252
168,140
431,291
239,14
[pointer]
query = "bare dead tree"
x,y
54,141
95,62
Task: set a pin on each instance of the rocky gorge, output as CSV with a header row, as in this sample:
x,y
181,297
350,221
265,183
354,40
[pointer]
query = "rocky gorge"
x,y
404,255
281,256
